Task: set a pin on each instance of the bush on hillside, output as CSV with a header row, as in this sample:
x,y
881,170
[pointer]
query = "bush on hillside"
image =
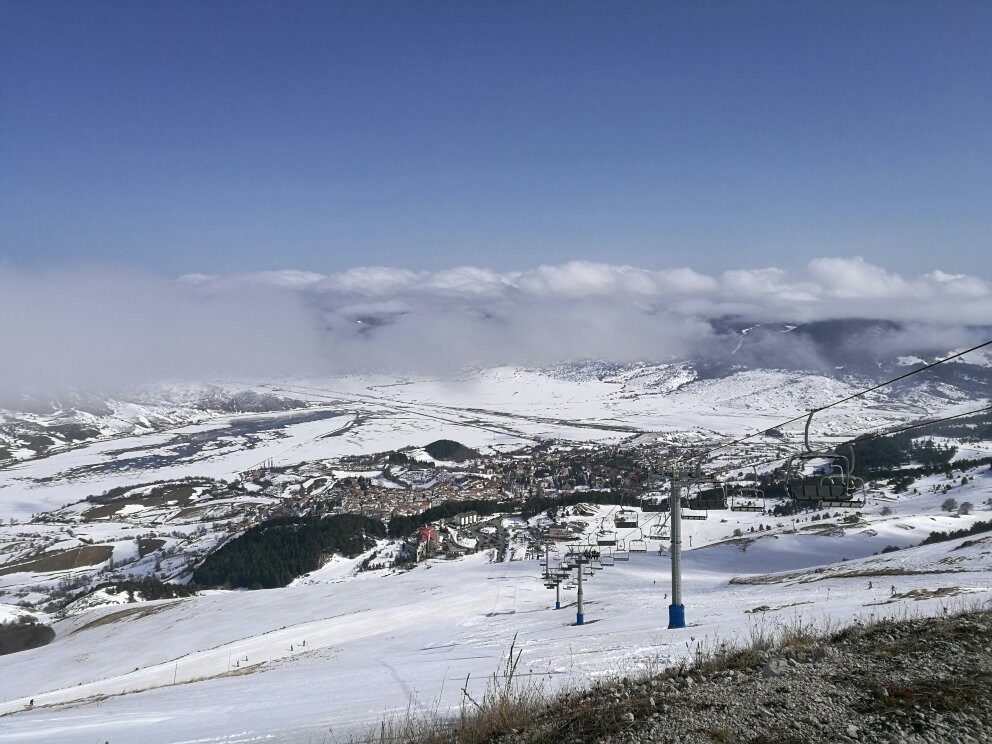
x,y
23,633
150,588
976,528
450,451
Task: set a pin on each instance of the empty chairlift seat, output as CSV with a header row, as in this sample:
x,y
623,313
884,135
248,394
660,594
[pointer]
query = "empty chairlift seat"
x,y
702,494
659,530
621,553
689,513
747,500
625,519
606,538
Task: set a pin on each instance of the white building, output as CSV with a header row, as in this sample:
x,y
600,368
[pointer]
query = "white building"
x,y
465,518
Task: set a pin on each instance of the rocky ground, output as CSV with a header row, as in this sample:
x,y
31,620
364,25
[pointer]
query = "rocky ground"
x,y
921,680
913,681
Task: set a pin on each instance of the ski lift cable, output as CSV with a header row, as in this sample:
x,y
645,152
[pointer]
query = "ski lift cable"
x,y
808,416
845,400
677,609
885,433
920,424
891,431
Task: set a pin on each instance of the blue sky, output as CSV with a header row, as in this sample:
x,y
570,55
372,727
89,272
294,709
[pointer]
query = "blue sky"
x,y
218,137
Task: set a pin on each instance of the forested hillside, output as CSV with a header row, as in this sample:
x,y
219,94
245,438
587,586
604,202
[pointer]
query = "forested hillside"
x,y
279,550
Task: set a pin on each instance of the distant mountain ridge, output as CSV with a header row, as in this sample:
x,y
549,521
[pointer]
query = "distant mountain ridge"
x,y
743,363
39,428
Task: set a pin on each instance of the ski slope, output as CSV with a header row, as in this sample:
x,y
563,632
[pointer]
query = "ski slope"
x,y
232,667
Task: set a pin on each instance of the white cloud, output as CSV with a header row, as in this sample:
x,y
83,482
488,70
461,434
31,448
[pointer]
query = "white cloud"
x,y
108,328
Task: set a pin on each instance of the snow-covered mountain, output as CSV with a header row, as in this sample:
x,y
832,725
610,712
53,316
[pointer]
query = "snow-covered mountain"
x,y
54,453
744,371
42,426
150,482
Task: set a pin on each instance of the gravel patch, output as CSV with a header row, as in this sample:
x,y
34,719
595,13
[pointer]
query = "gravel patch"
x,y
921,680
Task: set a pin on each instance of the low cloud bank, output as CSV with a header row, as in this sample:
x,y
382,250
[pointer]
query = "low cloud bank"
x,y
106,329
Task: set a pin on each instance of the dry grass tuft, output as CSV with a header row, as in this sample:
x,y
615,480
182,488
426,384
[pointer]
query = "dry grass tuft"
x,y
942,695
508,704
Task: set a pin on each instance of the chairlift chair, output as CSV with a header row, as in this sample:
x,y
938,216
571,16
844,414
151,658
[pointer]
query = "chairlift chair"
x,y
638,544
625,519
583,553
689,513
606,538
659,530
745,500
709,493
659,533
833,483
621,553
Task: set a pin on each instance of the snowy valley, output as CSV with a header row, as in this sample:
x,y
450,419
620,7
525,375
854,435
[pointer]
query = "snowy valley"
x,y
159,484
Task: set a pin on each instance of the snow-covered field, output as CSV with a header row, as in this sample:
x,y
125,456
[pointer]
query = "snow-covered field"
x,y
327,657
488,409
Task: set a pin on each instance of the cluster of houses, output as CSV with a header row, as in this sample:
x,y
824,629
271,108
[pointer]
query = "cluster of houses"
x,y
506,477
383,485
